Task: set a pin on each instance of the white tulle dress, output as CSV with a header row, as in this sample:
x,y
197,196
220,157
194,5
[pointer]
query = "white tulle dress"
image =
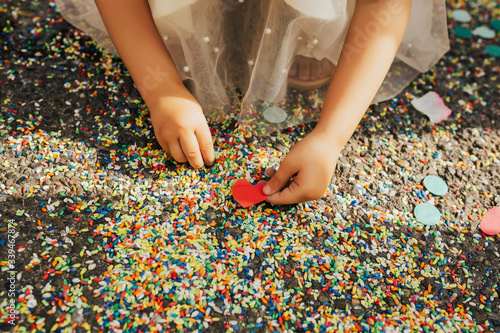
x,y
223,46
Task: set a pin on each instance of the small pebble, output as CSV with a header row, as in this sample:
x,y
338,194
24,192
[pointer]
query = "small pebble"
x,y
403,163
497,199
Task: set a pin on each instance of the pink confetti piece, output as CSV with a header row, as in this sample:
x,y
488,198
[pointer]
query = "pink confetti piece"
x,y
432,105
490,223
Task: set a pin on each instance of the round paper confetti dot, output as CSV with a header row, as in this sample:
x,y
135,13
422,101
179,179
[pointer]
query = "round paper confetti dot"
x,y
485,32
495,24
427,214
490,223
275,114
493,50
462,32
461,15
435,185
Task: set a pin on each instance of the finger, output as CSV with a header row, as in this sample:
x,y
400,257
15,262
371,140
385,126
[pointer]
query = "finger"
x,y
206,146
191,150
166,149
280,179
289,195
163,143
270,172
164,146
177,153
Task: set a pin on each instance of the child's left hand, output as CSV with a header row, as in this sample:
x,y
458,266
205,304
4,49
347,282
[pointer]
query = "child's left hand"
x,y
311,163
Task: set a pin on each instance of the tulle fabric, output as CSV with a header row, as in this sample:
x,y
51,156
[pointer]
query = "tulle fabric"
x,y
230,48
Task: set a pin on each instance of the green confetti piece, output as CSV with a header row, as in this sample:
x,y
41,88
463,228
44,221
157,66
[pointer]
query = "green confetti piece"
x,y
462,32
436,185
461,15
427,214
493,50
495,24
485,32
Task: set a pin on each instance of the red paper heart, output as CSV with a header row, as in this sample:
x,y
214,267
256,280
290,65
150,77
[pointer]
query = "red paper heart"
x,y
247,194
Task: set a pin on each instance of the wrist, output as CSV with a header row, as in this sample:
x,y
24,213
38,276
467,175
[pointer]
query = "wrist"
x,y
156,96
329,136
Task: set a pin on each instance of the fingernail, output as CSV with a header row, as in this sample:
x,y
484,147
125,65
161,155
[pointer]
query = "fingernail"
x,y
266,190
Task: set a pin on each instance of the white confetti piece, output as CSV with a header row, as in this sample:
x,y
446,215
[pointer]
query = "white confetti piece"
x,y
275,115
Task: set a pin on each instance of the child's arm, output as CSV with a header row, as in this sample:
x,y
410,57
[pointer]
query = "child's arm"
x,y
178,120
374,35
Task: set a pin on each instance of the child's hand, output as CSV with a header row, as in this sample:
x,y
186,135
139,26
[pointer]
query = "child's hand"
x,y
311,163
181,129
178,120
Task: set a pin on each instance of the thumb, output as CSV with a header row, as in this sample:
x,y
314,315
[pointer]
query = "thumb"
x,y
280,179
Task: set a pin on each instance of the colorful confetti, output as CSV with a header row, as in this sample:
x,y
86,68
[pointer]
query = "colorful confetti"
x,y
109,234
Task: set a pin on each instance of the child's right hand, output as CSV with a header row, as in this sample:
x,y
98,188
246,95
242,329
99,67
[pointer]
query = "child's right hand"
x,y
181,128
306,171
